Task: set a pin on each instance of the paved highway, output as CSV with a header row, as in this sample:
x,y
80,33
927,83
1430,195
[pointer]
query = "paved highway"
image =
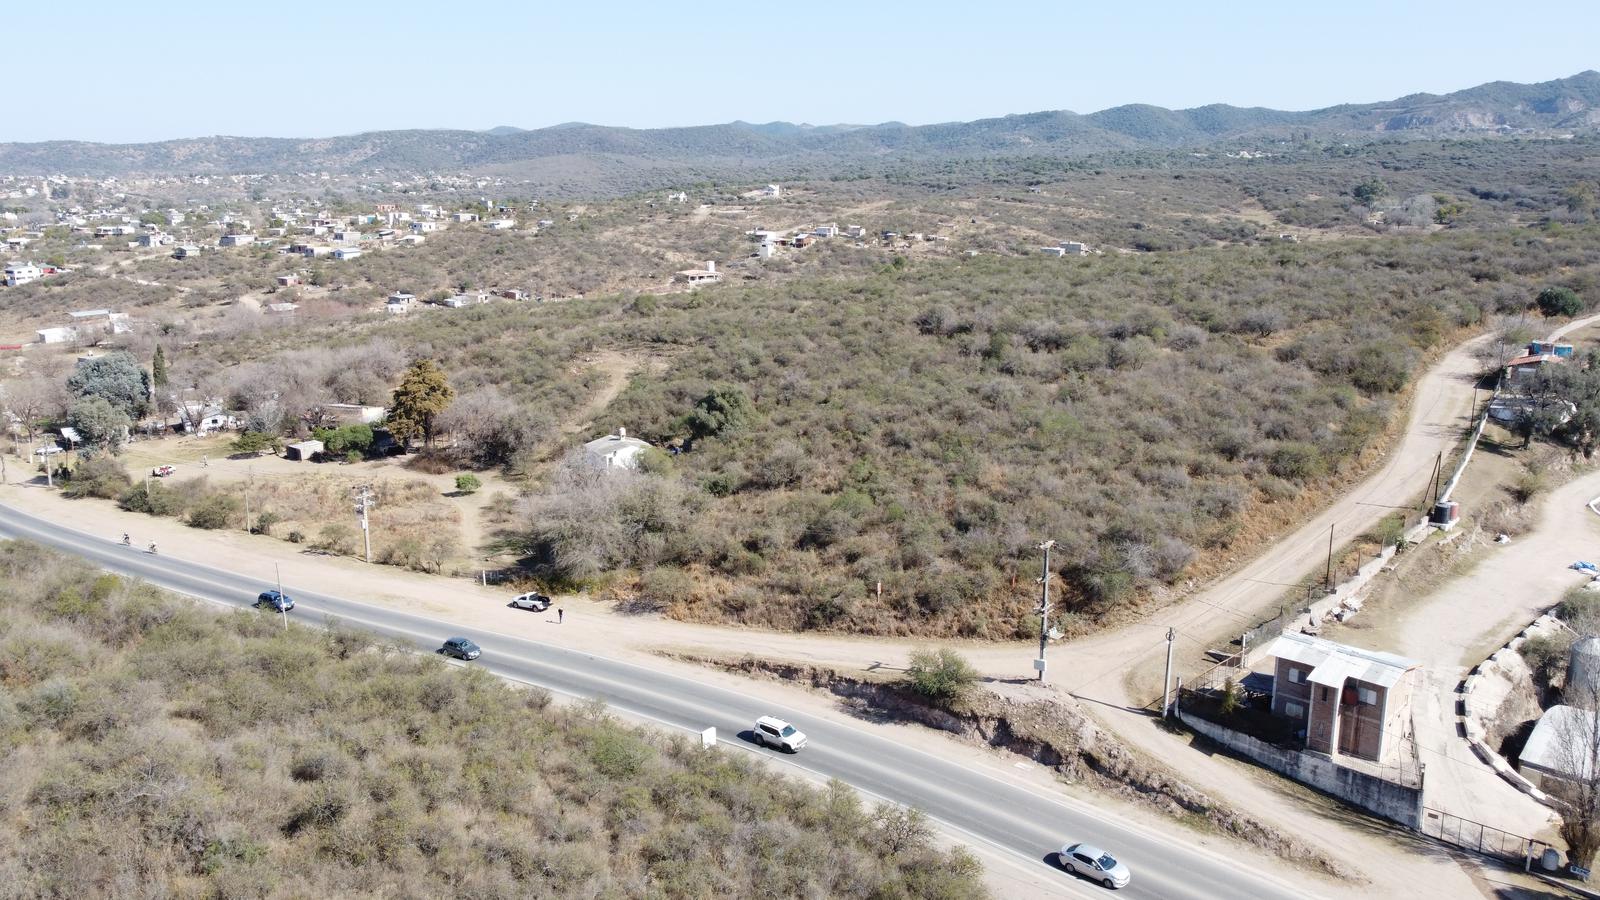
x,y
1010,817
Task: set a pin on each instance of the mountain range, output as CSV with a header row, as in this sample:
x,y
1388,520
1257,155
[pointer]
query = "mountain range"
x,y
1565,105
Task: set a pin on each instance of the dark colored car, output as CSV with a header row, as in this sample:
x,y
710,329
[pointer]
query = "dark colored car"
x,y
461,648
274,600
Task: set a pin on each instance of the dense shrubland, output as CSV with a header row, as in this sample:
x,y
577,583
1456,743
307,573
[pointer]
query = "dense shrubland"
x,y
925,426
159,749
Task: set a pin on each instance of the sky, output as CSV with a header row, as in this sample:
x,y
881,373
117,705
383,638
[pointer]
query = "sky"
x,y
130,72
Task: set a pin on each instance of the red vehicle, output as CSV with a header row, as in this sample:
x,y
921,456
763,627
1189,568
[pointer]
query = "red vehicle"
x,y
162,471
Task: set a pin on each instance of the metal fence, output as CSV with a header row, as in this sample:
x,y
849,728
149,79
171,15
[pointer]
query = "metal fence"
x,y
1478,837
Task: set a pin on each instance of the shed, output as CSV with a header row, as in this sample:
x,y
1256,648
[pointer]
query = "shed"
x,y
1555,751
303,451
615,451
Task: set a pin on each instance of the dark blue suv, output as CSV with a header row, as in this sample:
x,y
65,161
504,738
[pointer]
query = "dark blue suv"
x,y
461,648
275,601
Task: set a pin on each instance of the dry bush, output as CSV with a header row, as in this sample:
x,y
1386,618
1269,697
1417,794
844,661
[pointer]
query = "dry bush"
x,y
218,754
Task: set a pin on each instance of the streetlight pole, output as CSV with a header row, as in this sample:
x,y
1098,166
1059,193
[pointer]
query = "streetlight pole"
x,y
283,608
1044,608
1166,680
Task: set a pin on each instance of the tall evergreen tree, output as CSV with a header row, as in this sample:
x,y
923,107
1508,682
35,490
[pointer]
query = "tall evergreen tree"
x,y
158,369
424,392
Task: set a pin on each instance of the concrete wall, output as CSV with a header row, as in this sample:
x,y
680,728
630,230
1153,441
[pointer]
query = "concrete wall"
x,y
1395,802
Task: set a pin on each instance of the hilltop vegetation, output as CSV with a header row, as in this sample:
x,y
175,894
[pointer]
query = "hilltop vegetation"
x,y
578,154
158,749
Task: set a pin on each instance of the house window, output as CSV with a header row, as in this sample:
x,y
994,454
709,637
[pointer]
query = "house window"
x,y
1294,710
1367,696
1296,676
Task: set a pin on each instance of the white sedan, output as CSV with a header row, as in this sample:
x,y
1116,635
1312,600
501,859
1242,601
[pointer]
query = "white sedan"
x,y
1095,864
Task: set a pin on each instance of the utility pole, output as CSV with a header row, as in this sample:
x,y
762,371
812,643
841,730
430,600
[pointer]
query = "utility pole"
x,y
1044,608
1438,473
1327,579
283,608
247,481
1166,681
364,503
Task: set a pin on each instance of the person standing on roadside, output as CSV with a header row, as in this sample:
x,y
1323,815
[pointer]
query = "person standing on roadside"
x,y
560,615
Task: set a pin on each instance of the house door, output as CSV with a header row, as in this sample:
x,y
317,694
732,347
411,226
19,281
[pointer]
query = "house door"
x,y
1349,723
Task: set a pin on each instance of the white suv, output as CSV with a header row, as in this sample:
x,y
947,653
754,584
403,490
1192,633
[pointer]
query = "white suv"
x,y
774,732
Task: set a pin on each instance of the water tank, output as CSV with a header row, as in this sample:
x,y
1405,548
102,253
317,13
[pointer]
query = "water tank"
x,y
1583,669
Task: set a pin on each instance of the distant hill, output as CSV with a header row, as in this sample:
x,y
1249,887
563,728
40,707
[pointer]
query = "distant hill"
x,y
1568,104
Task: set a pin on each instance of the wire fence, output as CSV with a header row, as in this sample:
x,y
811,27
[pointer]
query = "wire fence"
x,y
1478,837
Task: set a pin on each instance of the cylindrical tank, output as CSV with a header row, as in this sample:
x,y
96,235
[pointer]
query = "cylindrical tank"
x,y
1583,669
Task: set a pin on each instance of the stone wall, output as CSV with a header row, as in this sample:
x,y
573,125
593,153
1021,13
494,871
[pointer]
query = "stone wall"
x,y
1393,801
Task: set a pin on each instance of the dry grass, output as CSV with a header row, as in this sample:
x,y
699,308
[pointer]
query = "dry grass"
x,y
157,749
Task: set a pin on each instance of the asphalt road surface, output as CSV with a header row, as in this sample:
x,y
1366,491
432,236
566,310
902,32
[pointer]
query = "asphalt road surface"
x,y
1012,819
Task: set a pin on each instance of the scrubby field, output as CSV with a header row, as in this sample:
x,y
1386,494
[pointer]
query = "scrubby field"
x,y
158,749
925,426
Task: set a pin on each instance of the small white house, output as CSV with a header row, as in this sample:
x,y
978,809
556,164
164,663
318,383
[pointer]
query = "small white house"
x,y
204,418
1053,251
346,252
236,240
696,277
615,451
187,251
1075,248
22,273
59,335
502,224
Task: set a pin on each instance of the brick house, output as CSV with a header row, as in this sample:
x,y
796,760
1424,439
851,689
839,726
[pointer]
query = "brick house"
x,y
1348,701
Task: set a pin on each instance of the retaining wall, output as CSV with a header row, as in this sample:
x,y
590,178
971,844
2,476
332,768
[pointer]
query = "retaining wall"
x,y
1391,800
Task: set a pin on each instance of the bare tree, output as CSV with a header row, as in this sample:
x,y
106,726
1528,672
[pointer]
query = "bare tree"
x,y
489,428
32,400
592,519
1578,738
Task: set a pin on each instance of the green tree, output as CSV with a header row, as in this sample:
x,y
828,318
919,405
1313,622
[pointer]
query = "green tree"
x,y
723,410
214,511
117,379
345,439
468,483
256,442
1369,192
99,476
102,425
940,675
423,394
1559,301
1580,199
1230,698
158,369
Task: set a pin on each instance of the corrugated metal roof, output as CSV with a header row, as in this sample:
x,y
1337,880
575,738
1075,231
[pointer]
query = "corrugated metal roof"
x,y
1557,743
1333,663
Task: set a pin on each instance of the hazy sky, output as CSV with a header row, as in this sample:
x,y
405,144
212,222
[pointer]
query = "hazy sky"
x,y
120,71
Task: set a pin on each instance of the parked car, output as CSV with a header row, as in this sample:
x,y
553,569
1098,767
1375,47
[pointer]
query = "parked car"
x,y
163,471
1095,864
532,601
774,732
461,648
279,602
